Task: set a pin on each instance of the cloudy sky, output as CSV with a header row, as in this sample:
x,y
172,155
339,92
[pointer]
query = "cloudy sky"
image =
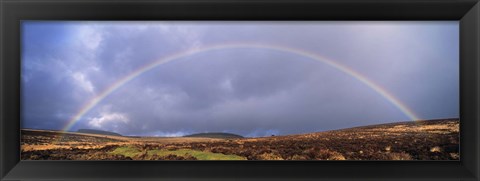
x,y
249,91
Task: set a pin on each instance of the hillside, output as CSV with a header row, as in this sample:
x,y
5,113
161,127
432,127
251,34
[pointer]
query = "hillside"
x,y
214,135
100,132
413,140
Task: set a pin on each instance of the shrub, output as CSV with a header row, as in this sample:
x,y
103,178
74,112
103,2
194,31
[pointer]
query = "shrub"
x,y
269,156
396,156
299,157
325,154
436,149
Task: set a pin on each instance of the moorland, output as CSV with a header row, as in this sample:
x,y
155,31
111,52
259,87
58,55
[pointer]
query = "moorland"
x,y
411,140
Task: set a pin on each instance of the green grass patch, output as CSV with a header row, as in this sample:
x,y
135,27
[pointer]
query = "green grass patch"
x,y
200,155
129,151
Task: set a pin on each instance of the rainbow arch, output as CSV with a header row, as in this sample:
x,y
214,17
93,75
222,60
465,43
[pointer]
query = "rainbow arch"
x,y
119,83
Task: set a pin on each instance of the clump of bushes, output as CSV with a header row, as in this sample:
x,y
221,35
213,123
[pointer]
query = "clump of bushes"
x,y
323,154
172,157
395,156
269,156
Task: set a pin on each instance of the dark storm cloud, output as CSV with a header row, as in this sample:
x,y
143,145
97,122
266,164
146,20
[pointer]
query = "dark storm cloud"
x,y
253,92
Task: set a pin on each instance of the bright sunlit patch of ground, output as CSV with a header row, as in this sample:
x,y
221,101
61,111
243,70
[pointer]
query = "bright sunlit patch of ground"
x,y
132,152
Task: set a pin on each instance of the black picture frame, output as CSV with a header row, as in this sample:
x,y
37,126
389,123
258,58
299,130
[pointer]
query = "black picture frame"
x,y
12,12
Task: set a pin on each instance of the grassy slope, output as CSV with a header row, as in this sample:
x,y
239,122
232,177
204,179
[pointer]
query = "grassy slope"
x,y
129,151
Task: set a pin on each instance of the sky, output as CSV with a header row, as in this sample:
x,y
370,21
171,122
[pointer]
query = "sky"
x,y
261,78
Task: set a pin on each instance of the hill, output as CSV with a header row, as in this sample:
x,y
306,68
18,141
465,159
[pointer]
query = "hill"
x,y
100,132
214,135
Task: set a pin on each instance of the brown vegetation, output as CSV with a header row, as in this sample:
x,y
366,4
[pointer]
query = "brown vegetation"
x,y
419,140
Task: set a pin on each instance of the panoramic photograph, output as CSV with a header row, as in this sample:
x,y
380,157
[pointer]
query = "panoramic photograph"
x,y
240,90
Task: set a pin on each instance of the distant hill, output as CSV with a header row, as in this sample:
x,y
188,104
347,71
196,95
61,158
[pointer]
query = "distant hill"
x,y
214,135
93,131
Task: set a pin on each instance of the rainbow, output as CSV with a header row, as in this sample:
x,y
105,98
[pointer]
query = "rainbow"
x,y
119,83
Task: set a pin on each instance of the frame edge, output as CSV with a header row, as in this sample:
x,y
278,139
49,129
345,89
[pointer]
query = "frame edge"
x,y
470,36
2,167
474,38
